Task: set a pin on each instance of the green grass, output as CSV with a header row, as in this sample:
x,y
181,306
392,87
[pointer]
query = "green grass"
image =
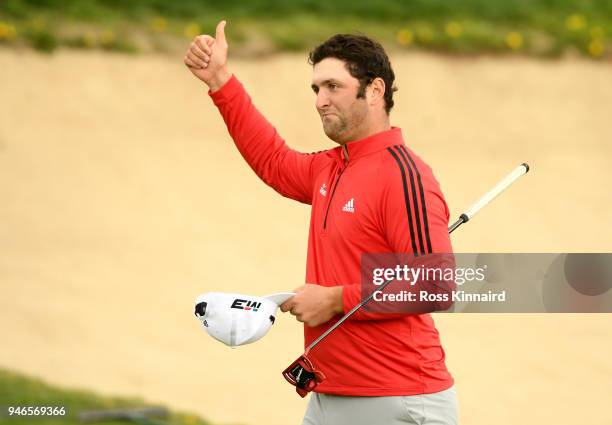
x,y
526,27
20,390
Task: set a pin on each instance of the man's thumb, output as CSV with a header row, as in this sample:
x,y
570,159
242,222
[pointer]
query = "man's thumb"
x,y
220,35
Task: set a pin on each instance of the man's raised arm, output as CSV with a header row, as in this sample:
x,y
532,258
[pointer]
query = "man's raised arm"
x,y
287,171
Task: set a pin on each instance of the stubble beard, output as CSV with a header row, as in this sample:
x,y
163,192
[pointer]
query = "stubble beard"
x,y
340,128
335,127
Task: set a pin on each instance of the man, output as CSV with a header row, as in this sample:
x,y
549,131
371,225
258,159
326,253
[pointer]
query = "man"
x,y
371,194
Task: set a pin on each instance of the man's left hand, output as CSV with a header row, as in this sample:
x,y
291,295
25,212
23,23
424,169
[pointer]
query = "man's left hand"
x,y
314,304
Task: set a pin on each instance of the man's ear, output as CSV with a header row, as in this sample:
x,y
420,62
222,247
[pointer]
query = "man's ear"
x,y
377,90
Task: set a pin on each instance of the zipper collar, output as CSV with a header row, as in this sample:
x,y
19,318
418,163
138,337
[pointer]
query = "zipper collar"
x,y
374,143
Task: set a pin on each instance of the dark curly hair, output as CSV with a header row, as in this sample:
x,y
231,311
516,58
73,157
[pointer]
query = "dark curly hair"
x,y
365,60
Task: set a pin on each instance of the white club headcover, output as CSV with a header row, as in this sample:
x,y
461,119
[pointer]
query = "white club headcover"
x,y
238,319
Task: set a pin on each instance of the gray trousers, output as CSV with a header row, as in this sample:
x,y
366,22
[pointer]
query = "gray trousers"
x,y
423,409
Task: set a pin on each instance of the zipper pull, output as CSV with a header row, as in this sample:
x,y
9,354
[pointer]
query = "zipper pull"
x,y
345,154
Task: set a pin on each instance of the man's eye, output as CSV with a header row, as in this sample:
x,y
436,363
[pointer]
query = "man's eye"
x,y
333,86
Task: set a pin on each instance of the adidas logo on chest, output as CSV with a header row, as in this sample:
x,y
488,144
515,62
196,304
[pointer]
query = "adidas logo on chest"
x,y
349,206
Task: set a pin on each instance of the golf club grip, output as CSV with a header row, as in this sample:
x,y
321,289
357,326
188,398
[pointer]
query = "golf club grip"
x,y
495,191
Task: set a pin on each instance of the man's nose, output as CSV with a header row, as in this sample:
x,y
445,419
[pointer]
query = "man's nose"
x,y
322,101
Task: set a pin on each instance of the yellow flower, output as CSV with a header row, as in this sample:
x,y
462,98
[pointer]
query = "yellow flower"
x,y
89,39
514,40
191,30
597,47
404,37
107,37
190,420
597,32
454,29
159,24
425,33
7,31
107,402
575,22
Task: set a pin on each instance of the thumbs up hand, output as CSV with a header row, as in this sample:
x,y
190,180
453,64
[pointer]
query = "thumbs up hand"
x,y
206,58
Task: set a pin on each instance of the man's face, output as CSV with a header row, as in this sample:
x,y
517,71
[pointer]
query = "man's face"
x,y
342,113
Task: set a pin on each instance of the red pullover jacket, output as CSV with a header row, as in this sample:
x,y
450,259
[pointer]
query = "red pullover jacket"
x,y
372,196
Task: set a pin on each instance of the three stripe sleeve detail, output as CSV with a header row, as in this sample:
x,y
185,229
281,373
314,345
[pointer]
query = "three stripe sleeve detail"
x,y
406,199
406,163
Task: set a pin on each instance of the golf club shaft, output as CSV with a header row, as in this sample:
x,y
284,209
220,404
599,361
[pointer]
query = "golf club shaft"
x,y
469,213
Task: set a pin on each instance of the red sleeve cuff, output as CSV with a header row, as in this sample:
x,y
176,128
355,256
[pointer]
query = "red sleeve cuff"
x,y
227,91
351,296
